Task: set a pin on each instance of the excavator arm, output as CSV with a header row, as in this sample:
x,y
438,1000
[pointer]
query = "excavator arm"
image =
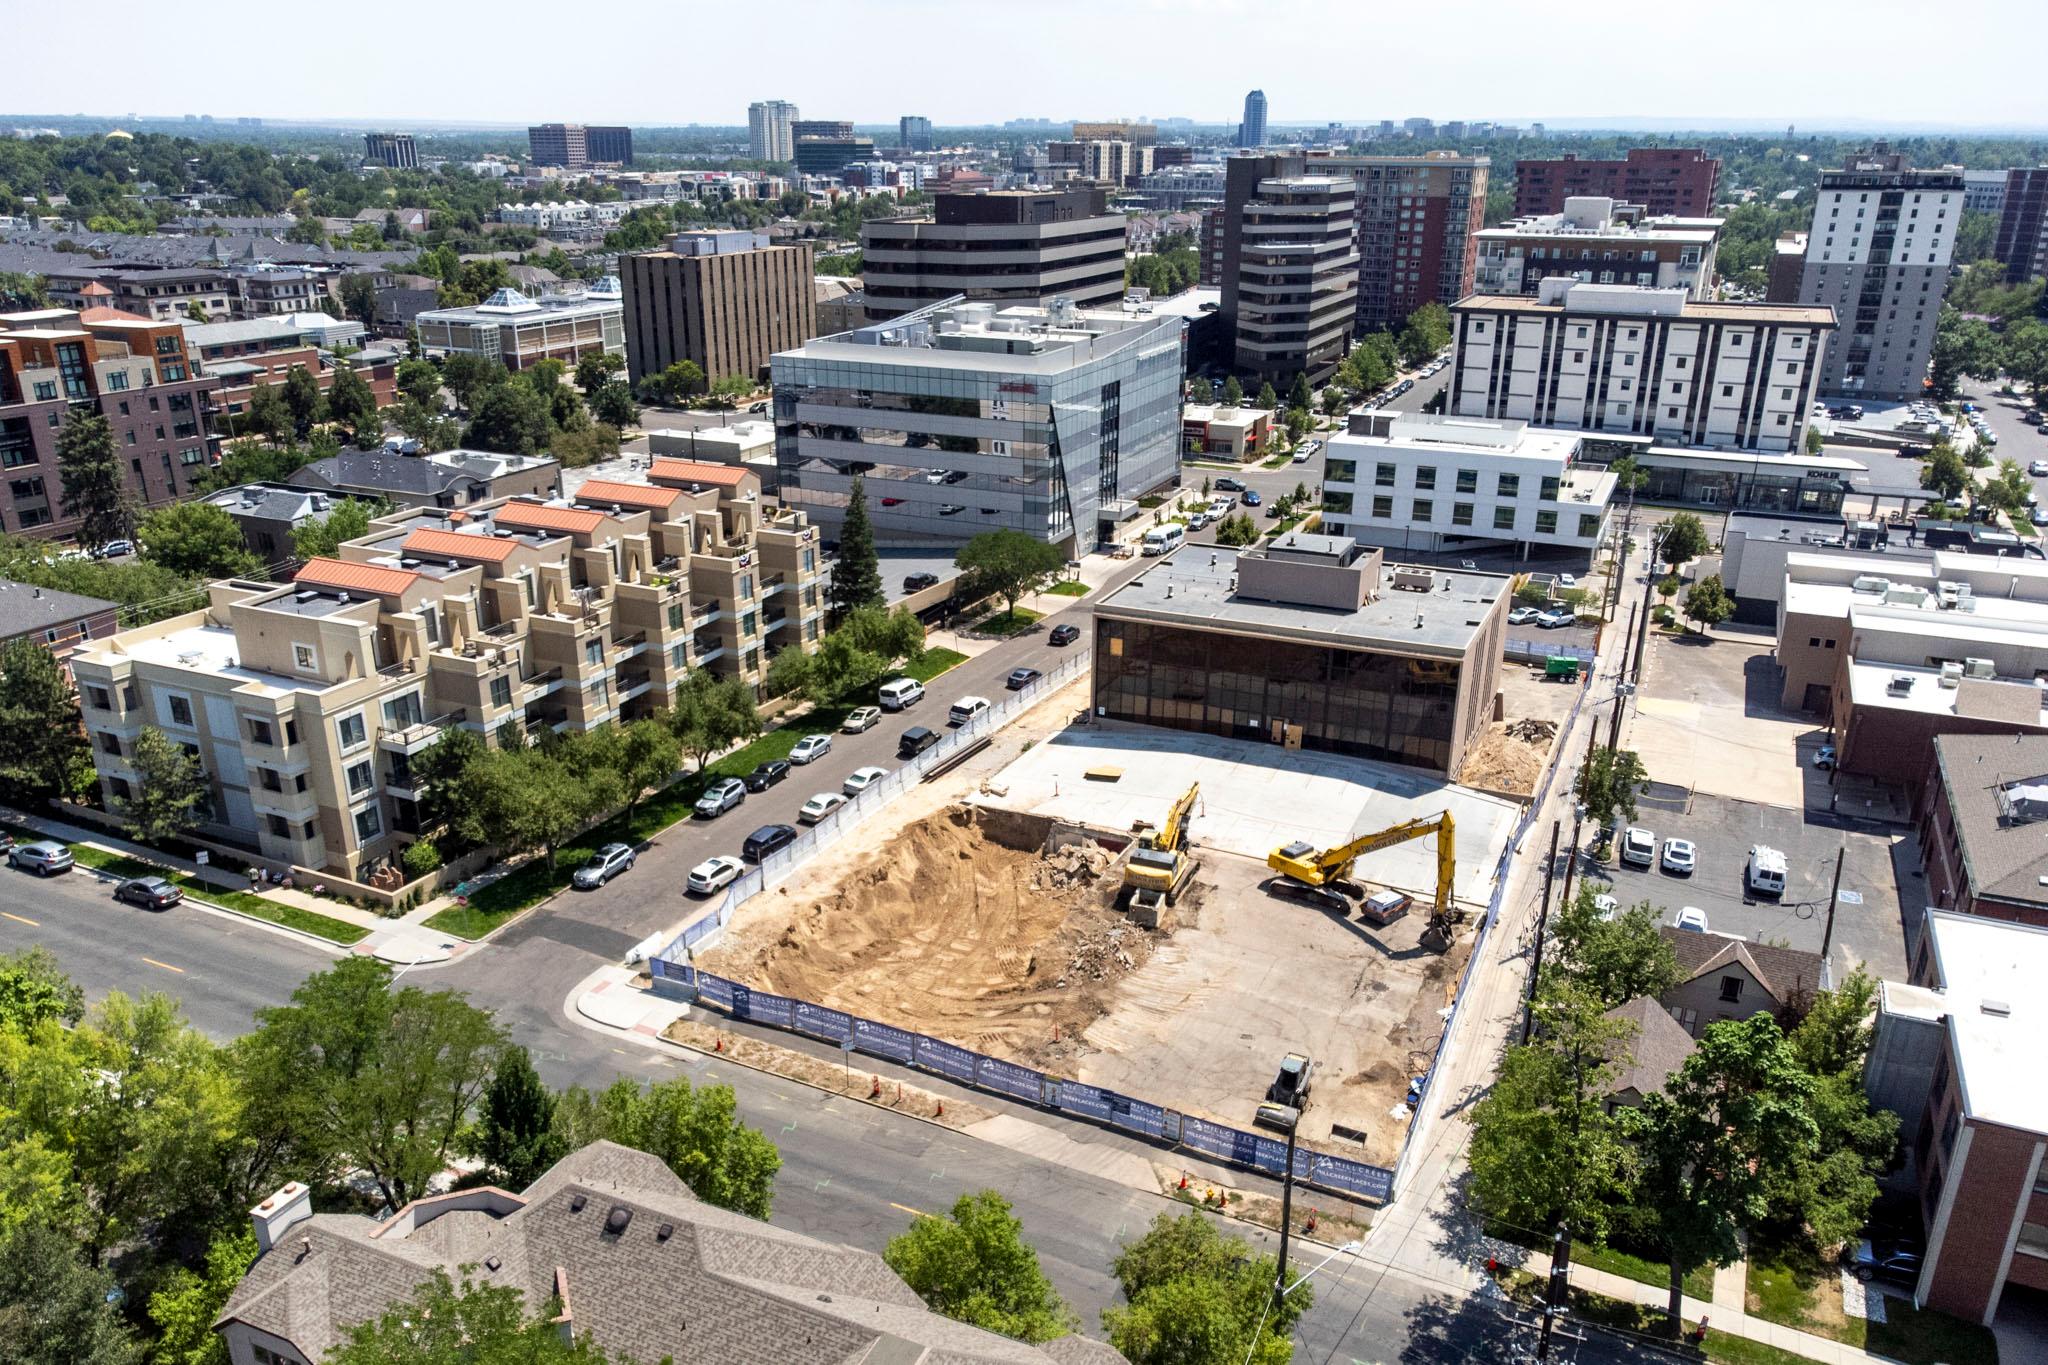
x,y
1330,868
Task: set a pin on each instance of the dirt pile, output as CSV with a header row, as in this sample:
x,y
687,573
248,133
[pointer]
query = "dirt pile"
x,y
949,932
1509,756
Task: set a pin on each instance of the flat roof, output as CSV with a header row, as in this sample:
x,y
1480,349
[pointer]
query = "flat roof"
x,y
1988,699
212,650
2006,857
1695,310
1194,587
1990,973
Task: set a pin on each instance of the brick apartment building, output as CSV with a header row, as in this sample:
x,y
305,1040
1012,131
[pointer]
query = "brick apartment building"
x,y
1418,224
1678,182
135,371
2022,241
1979,813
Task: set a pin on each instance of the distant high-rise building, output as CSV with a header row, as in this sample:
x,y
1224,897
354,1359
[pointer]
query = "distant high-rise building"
x,y
1984,192
1288,269
768,130
574,146
914,132
825,146
1117,130
1418,224
1669,182
1112,163
1419,127
1252,132
392,150
1878,254
2023,224
609,145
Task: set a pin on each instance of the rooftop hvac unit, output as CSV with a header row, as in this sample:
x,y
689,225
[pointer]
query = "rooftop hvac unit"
x,y
1978,668
1871,583
1951,673
1901,684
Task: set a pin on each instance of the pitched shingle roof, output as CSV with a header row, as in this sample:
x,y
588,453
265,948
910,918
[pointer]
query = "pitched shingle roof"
x,y
1659,1047
1784,972
352,577
25,608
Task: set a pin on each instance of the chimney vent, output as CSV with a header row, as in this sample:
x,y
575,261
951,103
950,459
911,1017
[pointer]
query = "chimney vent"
x,y
276,1215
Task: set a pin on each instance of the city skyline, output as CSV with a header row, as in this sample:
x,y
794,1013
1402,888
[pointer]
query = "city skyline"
x,y
359,84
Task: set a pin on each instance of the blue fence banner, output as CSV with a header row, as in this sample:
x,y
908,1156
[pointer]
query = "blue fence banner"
x,y
1351,1177
884,1040
1018,1082
820,1022
944,1059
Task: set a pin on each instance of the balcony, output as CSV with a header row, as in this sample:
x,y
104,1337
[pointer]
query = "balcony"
x,y
771,624
419,735
629,684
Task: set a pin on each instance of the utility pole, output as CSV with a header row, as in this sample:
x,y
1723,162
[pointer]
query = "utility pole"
x,y
1620,688
1834,898
1286,1209
1555,1299
1571,863
1542,922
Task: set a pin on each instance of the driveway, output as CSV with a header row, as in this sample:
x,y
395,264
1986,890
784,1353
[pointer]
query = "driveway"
x,y
1707,719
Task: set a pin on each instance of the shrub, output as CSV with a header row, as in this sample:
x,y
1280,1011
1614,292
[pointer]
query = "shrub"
x,y
420,858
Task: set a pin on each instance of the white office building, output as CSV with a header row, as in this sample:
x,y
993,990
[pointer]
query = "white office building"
x,y
769,133
1648,363
1419,483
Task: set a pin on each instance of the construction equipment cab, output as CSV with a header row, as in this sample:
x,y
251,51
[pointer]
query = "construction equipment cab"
x,y
1764,874
1160,867
1328,871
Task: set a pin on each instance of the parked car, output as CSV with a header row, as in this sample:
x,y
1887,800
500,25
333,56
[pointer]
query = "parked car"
x,y
114,549
716,871
860,779
1302,454
917,582
1021,678
45,858
1898,1263
757,407
1522,616
1556,618
810,749
767,840
966,709
2038,468
820,806
605,864
767,775
1063,635
1638,846
1291,1086
898,693
861,718
1692,919
151,893
915,741
1252,498
721,796
1824,757
1567,581
1678,856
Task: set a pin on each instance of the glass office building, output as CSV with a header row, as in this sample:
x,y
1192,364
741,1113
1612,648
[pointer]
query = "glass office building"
x,y
962,418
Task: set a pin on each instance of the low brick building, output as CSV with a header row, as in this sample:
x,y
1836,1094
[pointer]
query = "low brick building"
x,y
1983,819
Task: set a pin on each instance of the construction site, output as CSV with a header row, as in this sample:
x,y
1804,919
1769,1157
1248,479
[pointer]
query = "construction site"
x,y
1113,904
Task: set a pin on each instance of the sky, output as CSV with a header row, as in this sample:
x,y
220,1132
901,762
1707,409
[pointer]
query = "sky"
x,y
1817,63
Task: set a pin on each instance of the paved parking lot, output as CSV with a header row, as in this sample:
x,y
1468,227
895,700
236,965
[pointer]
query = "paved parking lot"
x,y
1723,831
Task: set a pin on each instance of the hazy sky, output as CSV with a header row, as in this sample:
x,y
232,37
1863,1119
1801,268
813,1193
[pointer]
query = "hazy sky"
x,y
1811,62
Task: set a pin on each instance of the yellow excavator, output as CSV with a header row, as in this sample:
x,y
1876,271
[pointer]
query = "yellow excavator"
x,y
1324,875
1160,866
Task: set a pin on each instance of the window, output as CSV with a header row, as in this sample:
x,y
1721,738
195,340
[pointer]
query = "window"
x,y
1503,518
110,743
117,380
675,616
270,780
280,828
181,711
402,713
1425,476
305,658
1589,525
1383,506
1727,390
360,778
593,651
1731,988
349,729
677,655
99,698
1383,476
501,691
1508,485
1424,510
369,824
259,731
46,391
1461,514
1468,481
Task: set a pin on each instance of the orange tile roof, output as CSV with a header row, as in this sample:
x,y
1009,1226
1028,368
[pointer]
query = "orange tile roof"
x,y
432,544
104,314
634,495
352,577
96,290
541,517
695,471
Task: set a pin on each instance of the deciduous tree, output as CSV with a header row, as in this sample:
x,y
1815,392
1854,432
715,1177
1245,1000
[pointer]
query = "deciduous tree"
x,y
345,521
197,539
42,747
1944,473
267,414
54,1309
710,713
1684,540
184,1309
420,381
973,1265
1607,786
1233,392
512,419
1708,603
470,377
303,399
694,1130
473,1324
612,404
358,293
1197,1296
594,369
516,1130
1009,564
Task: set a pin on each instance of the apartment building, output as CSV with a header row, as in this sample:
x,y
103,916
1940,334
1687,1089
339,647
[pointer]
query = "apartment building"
x,y
305,703
964,418
1117,130
768,130
914,133
1677,182
1878,254
134,371
1414,482
1598,241
725,301
1009,246
1175,189
518,331
393,151
1289,273
1418,220
576,146
165,294
1650,363
1896,655
1112,163
2022,241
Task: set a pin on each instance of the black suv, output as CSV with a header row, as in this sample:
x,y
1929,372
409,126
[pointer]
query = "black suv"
x,y
767,775
917,582
915,741
1063,635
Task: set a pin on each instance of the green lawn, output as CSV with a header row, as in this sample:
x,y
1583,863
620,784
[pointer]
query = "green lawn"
x,y
1069,587
1792,1287
1280,461
1699,1284
1527,1290
1925,1337
534,881
290,916
1009,623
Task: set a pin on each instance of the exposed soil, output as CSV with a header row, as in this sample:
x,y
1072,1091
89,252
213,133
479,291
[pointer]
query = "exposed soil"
x,y
1509,756
956,927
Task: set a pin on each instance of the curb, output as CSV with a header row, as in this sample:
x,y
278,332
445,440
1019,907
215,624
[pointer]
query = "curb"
x,y
273,926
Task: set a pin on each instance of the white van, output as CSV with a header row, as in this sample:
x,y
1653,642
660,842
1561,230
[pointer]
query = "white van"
x,y
1164,539
898,693
966,709
1764,874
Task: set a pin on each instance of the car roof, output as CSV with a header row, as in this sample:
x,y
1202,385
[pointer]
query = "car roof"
x,y
767,831
615,848
48,846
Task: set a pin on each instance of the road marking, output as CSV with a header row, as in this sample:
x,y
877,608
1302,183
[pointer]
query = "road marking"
x,y
789,1127
934,1175
165,965
621,1051
18,919
821,1184
919,1213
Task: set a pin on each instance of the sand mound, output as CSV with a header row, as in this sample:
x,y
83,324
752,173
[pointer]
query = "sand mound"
x,y
1509,757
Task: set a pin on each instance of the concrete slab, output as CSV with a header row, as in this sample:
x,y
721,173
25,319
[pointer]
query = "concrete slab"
x,y
1256,797
614,1003
1707,718
404,948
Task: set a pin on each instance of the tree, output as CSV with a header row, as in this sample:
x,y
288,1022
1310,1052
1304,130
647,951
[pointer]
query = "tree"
x,y
449,770
168,788
1544,1148
1233,393
303,399
1944,473
1729,1121
595,369
1427,331
1610,961
1010,564
1815,442
645,754
353,1075
512,419
185,1308
54,1309
694,1130
711,713
856,571
974,1266
681,379
1684,540
516,1132
33,988
1237,530
95,479
1301,395
470,377
420,381
2025,353
850,658
306,231
1201,391
1198,1296
358,294
1708,603
1268,399
350,402
1827,1197
613,405
195,311
1607,786
347,520
268,414
528,799
475,1324
42,745
197,539
20,292
2008,489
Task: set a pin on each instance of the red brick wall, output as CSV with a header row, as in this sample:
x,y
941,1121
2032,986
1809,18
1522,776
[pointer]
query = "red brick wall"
x,y
1990,1180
